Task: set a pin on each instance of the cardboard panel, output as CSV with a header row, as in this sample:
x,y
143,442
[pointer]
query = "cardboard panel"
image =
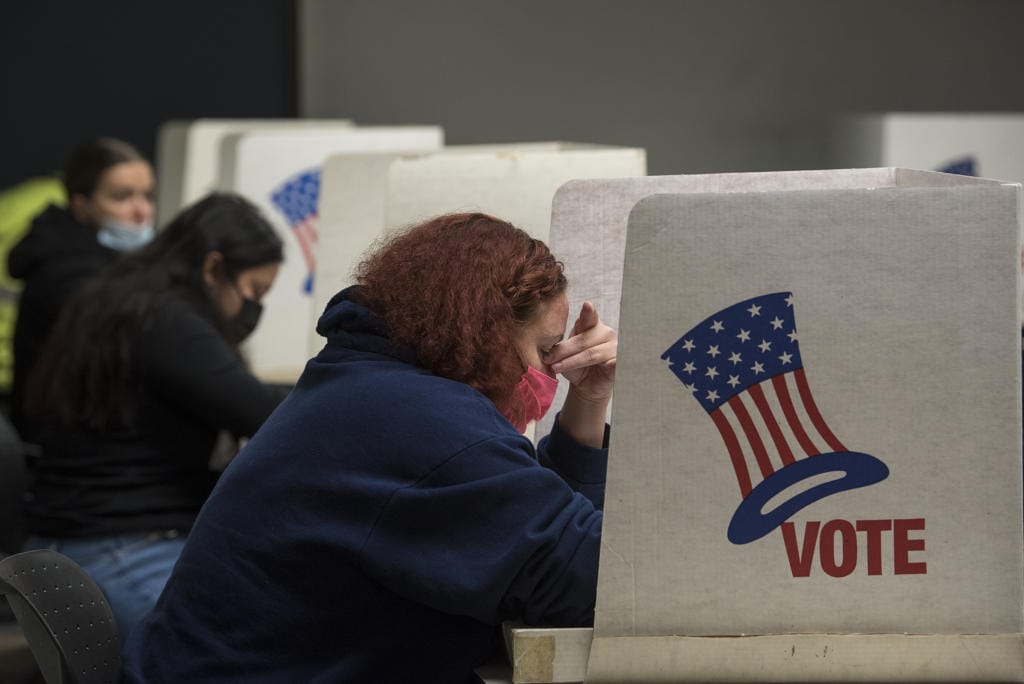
x,y
280,172
817,429
171,141
811,658
588,221
189,155
987,144
545,656
366,197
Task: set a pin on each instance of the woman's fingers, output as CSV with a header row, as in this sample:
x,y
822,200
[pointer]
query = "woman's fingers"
x,y
587,319
587,355
592,343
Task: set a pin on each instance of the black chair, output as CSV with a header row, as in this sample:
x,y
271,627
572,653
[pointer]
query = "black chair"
x,y
64,616
14,483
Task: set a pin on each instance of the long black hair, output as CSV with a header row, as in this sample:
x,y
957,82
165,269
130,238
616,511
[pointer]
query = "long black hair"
x,y
85,374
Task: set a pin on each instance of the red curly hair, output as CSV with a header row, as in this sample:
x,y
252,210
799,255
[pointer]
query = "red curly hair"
x,y
455,289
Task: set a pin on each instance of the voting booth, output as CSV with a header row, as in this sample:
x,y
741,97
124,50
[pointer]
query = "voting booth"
x,y
189,151
598,209
280,172
986,144
815,462
366,197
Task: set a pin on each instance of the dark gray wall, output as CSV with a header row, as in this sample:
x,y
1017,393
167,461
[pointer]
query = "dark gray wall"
x,y
74,69
704,85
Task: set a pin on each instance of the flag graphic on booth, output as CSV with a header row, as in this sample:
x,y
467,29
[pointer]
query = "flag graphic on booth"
x,y
297,199
743,366
966,165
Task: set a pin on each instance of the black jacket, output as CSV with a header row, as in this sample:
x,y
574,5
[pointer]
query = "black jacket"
x,y
155,475
55,258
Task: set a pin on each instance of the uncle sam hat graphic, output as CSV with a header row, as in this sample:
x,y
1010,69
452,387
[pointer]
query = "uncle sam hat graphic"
x,y
743,365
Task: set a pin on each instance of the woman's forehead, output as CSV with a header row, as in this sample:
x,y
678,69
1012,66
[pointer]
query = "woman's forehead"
x,y
552,317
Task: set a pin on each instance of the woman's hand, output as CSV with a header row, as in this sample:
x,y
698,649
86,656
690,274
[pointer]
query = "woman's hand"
x,y
587,361
587,358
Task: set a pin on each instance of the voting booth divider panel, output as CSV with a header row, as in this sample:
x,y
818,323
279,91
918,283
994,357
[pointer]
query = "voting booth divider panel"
x,y
188,155
280,172
815,469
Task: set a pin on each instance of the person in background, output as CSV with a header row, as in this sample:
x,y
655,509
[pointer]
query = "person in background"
x,y
109,187
391,514
19,204
140,373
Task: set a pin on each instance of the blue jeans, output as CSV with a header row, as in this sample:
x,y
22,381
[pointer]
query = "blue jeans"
x,y
131,569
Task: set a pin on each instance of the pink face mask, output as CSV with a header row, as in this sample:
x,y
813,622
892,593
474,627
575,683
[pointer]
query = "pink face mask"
x,y
534,395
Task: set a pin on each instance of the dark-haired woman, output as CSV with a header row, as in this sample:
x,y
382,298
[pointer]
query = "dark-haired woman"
x,y
141,373
390,514
109,187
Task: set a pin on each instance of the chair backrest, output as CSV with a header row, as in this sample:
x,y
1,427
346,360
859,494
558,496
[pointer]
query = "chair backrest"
x,y
64,616
14,482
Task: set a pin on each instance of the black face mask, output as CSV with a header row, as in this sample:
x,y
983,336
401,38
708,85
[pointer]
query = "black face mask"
x,y
247,319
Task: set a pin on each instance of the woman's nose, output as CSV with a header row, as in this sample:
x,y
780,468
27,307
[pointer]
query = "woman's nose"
x,y
142,210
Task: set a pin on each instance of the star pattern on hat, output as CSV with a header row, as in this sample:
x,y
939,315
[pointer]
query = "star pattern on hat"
x,y
755,340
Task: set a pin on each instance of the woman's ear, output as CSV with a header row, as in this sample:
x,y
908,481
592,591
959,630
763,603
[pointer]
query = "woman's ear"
x,y
78,205
212,267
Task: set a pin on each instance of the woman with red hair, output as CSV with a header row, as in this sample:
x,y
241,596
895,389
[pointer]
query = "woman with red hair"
x,y
390,514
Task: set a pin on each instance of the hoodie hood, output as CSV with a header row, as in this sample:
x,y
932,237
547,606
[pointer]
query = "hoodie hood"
x,y
54,236
349,325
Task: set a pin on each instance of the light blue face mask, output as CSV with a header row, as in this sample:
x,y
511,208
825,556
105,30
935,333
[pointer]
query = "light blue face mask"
x,y
122,236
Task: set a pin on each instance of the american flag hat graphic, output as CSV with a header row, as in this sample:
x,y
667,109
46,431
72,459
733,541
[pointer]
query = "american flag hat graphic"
x,y
743,366
966,165
297,199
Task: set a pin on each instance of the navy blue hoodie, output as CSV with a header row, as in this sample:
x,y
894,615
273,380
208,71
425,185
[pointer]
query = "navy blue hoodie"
x,y
378,528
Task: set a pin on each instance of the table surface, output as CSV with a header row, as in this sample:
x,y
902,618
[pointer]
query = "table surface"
x,y
497,672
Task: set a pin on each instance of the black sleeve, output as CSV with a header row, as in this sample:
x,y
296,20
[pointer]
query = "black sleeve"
x,y
185,360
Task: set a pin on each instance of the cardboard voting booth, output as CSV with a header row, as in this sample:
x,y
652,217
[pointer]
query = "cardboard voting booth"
x,y
986,144
366,197
598,209
188,155
815,470
280,172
